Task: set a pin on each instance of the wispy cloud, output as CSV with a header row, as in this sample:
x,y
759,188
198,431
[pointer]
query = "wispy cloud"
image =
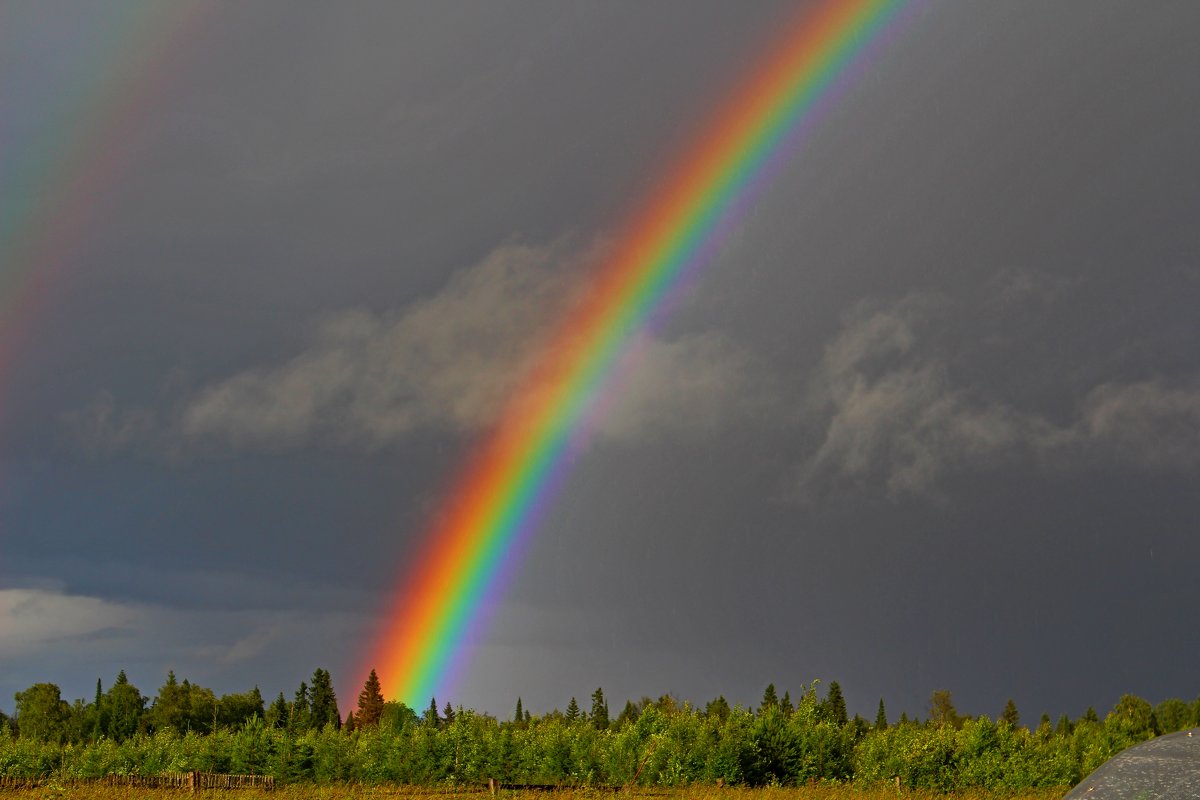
x,y
449,362
892,416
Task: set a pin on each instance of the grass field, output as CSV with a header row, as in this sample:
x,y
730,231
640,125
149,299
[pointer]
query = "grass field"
x,y
298,791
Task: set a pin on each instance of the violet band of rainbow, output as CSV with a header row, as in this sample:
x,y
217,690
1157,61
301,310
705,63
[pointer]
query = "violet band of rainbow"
x,y
515,474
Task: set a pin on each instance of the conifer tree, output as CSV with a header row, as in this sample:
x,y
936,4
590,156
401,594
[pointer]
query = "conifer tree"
x,y
370,703
718,708
99,723
785,705
277,714
123,708
431,714
903,718
835,705
349,726
519,716
599,710
628,715
770,699
1090,715
573,710
323,701
448,713
881,722
1010,714
299,718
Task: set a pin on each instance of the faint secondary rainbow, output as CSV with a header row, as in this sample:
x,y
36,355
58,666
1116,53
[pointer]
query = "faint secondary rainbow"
x,y
69,128
507,483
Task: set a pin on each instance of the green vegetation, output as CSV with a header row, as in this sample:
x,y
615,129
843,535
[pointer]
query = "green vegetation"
x,y
353,792
810,741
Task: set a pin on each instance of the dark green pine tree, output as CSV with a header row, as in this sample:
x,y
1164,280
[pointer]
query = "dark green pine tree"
x,y
299,718
903,719
785,705
881,717
1010,714
770,699
322,701
349,726
277,714
431,714
448,713
629,714
599,710
1064,726
370,703
1090,715
519,717
835,705
99,723
123,709
572,710
718,708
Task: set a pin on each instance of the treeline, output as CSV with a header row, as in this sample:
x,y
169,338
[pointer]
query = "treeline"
x,y
650,742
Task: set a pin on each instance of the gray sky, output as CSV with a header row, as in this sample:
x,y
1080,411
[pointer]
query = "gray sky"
x,y
931,419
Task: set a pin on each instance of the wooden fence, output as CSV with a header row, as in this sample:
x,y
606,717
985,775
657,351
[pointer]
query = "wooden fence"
x,y
184,781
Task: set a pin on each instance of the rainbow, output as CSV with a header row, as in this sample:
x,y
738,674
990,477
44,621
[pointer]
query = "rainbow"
x,y
69,136
508,482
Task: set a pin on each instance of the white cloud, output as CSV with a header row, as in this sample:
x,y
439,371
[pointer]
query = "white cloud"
x,y
450,362
45,625
34,619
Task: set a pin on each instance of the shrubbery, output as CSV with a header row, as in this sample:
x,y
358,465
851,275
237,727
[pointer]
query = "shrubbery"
x,y
655,743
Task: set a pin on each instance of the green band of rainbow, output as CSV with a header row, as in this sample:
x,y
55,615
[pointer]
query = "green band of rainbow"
x,y
68,131
508,482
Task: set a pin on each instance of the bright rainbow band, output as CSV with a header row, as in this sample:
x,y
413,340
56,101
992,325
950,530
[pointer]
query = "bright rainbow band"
x,y
506,486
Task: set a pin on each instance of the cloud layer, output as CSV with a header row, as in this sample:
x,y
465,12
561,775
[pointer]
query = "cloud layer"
x,y
892,414
449,362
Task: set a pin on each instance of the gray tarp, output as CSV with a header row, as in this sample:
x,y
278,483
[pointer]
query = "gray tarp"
x,y
1166,767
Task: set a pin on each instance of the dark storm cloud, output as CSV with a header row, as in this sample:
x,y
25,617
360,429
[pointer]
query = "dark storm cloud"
x,y
929,420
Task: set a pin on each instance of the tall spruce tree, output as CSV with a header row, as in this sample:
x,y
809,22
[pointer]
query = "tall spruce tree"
x,y
370,703
519,716
599,710
99,721
881,722
123,708
431,714
770,698
448,713
785,705
572,710
718,708
277,714
1010,714
835,705
300,718
323,701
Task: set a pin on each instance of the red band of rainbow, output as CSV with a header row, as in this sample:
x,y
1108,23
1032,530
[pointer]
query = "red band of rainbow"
x,y
503,491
